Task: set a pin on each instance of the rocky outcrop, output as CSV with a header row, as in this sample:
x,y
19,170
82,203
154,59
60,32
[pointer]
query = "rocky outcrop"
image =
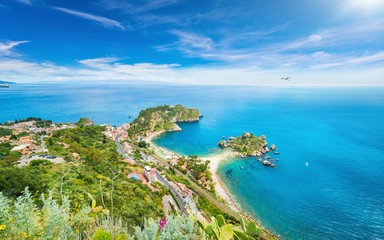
x,y
176,128
223,144
273,147
267,163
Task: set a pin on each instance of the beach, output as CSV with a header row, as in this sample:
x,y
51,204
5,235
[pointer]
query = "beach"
x,y
221,189
214,162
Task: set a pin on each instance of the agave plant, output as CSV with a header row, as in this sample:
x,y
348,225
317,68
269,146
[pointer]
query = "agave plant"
x,y
218,229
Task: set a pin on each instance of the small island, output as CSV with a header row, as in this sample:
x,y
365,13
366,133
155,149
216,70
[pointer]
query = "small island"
x,y
250,145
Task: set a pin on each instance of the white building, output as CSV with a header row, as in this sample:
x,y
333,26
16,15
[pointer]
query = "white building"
x,y
150,174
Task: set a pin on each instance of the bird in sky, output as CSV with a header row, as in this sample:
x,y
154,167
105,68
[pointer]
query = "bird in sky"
x,y
286,78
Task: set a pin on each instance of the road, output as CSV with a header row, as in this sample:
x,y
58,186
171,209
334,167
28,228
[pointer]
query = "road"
x,y
161,179
202,191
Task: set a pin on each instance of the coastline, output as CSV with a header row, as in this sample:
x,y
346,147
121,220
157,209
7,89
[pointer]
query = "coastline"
x,y
220,188
214,162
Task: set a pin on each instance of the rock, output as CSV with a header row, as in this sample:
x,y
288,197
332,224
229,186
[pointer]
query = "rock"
x,y
263,151
266,163
176,128
273,166
273,147
231,138
223,144
276,153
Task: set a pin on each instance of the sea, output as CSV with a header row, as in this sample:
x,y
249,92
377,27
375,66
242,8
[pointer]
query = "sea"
x,y
329,179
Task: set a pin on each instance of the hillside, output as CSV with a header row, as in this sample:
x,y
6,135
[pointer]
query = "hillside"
x,y
161,118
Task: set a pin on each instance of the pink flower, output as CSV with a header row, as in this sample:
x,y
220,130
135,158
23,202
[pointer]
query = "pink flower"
x,y
162,222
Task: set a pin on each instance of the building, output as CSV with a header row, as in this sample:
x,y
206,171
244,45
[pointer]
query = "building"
x,y
25,140
150,174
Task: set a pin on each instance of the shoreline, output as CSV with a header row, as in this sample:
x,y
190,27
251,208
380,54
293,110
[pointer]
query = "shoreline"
x,y
214,162
220,188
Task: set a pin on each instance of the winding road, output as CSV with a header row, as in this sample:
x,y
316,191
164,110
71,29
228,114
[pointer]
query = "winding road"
x,y
161,179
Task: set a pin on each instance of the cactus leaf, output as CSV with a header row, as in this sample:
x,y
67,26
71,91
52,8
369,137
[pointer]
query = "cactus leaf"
x,y
105,211
201,225
242,224
208,229
226,232
97,209
240,235
253,229
220,220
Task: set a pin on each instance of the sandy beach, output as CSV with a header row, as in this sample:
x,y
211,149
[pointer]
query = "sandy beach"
x,y
220,188
214,162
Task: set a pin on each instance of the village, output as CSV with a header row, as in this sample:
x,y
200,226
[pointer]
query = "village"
x,y
28,137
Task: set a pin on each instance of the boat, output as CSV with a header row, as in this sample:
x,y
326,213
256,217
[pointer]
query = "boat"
x,y
4,85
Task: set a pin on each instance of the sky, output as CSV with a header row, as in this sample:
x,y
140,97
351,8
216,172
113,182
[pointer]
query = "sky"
x,y
215,42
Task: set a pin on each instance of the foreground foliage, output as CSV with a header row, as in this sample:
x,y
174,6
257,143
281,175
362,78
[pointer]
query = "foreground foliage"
x,y
23,219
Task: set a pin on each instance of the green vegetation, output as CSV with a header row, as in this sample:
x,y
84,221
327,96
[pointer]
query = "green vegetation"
x,y
39,162
198,169
13,180
22,218
8,158
218,229
247,144
211,210
101,173
161,118
22,134
5,132
84,122
38,121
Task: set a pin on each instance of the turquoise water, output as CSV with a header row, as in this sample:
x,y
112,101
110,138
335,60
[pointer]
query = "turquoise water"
x,y
339,132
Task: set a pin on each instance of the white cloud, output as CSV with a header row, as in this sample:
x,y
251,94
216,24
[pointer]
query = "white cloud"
x,y
316,50
7,46
103,21
314,38
189,40
144,7
111,69
100,63
353,61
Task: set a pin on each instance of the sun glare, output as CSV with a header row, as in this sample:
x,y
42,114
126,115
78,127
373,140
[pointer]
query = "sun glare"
x,y
367,5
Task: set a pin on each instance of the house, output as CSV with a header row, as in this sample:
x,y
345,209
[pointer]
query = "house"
x,y
150,174
25,140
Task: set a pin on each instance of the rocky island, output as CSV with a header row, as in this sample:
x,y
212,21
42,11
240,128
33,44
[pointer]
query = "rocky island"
x,y
250,145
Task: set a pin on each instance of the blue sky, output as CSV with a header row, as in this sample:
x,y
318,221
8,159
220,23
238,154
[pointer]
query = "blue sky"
x,y
193,41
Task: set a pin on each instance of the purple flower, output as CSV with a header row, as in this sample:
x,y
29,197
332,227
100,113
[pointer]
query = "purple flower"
x,y
162,222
